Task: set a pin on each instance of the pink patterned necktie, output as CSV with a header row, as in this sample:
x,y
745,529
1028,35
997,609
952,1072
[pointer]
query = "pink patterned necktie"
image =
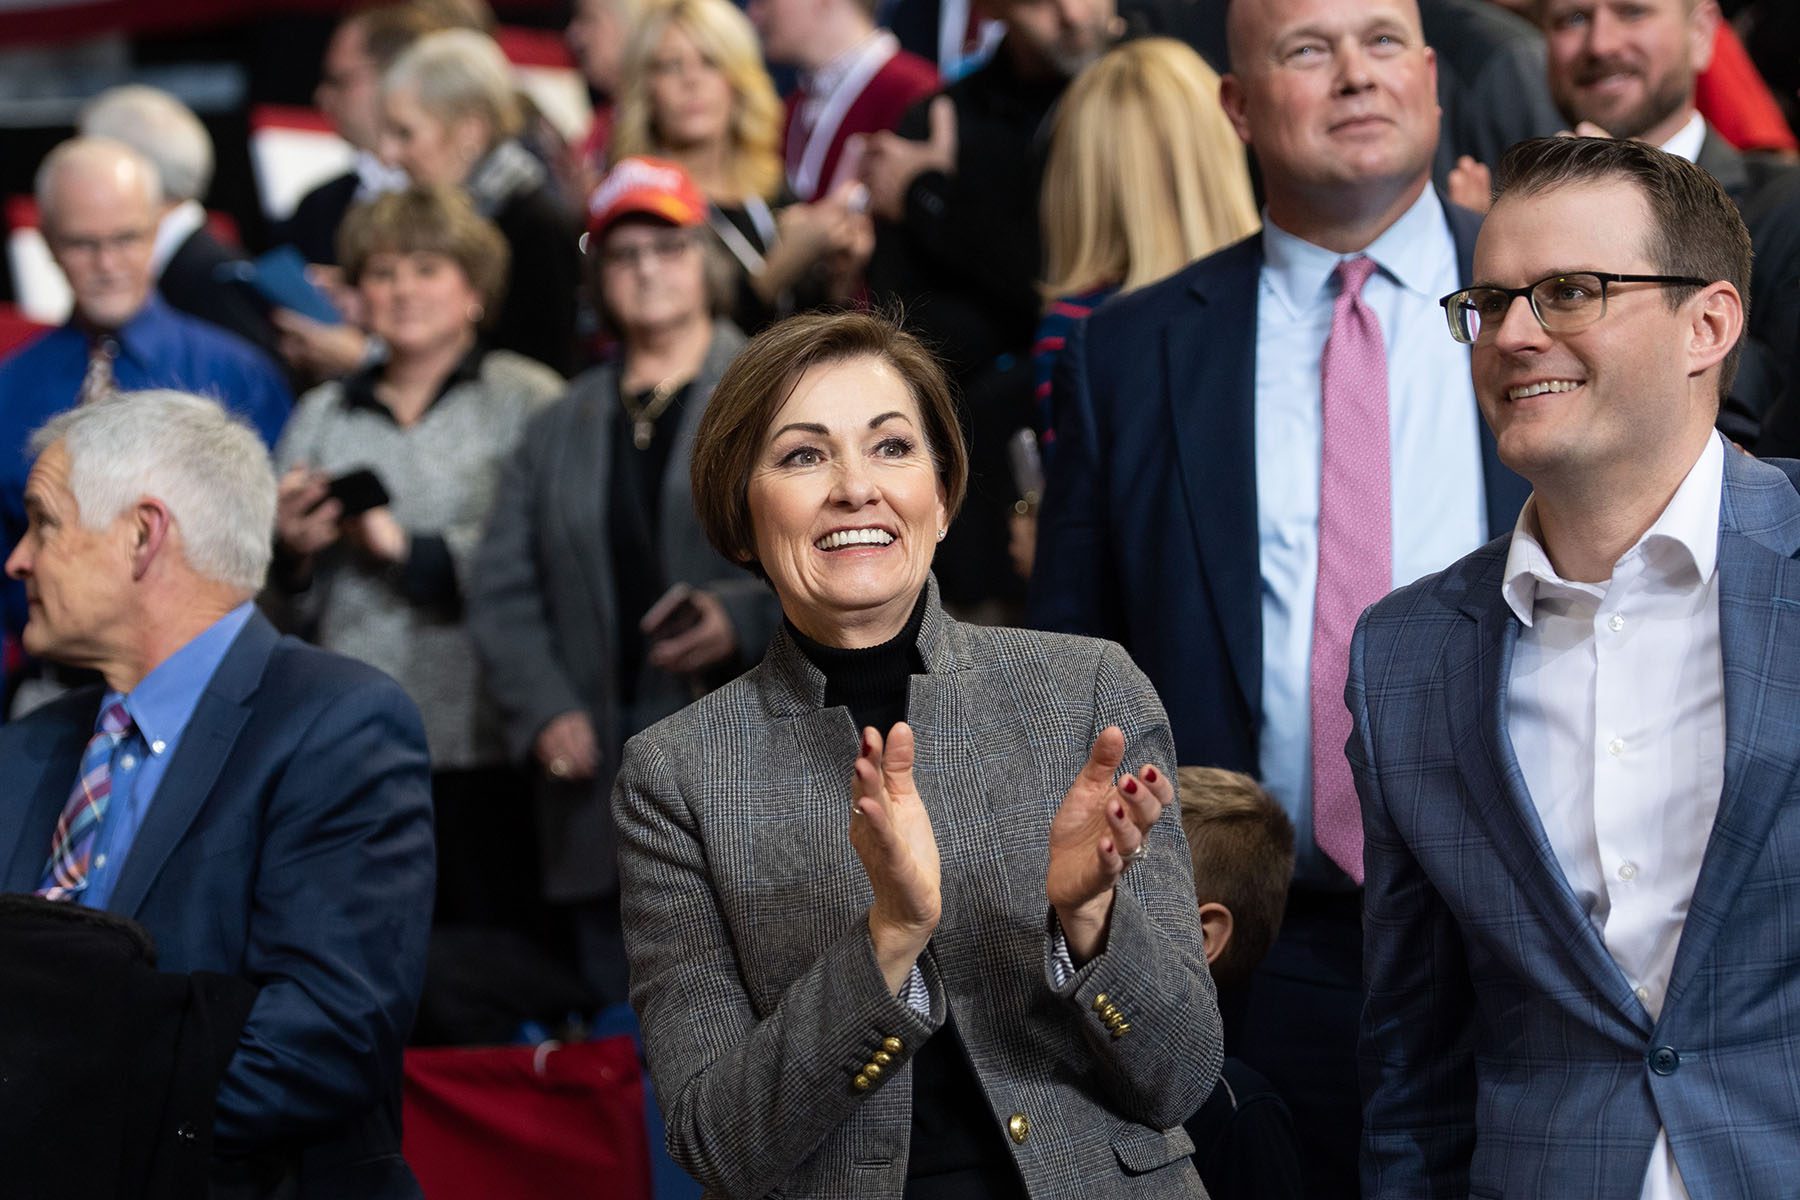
x,y
66,874
1355,547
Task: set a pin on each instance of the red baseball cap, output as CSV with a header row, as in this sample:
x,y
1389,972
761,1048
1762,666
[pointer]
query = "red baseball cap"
x,y
650,187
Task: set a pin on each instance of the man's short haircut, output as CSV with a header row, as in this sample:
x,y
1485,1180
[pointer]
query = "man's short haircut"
x,y
205,464
162,129
1242,845
1695,229
88,151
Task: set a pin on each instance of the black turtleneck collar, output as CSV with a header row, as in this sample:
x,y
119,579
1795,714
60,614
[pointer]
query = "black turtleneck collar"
x,y
870,682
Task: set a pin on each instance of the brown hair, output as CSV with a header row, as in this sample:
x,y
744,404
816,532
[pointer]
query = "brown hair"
x,y
758,383
387,29
427,220
1242,845
1695,229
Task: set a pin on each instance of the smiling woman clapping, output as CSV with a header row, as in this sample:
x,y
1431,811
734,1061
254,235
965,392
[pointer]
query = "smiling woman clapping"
x,y
955,954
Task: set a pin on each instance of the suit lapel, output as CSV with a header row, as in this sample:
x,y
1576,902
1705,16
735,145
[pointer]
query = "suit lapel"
x,y
1759,624
194,772
1477,672
1210,352
44,775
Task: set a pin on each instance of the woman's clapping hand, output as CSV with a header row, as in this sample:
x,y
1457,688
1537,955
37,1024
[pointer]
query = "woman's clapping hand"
x,y
1097,832
891,832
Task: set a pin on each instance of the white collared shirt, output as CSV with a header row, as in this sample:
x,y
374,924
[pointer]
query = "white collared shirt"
x,y
176,226
1439,510
1616,710
1688,139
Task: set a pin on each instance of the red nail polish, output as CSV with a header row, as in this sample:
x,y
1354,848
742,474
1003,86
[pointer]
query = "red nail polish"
x,y
1119,811
1130,786
1149,774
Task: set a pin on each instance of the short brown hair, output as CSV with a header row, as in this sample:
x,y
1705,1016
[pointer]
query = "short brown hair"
x,y
1242,844
427,220
387,29
1695,229
760,380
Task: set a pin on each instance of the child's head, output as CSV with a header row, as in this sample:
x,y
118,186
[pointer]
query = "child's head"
x,y
1243,849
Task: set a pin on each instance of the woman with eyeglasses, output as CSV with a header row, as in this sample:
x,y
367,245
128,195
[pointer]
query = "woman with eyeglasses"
x,y
596,603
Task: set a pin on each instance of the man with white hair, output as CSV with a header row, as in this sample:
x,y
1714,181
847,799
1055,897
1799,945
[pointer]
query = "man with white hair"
x,y
185,256
260,806
98,201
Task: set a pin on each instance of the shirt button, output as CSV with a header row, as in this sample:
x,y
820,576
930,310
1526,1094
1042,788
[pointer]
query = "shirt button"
x,y
1615,622
1616,747
128,762
158,746
1643,994
99,860
1627,871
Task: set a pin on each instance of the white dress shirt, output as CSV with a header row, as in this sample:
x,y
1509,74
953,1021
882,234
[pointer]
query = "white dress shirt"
x,y
1616,710
1439,508
176,226
1688,139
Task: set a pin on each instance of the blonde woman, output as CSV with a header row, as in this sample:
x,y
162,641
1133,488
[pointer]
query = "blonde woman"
x,y
1145,175
693,90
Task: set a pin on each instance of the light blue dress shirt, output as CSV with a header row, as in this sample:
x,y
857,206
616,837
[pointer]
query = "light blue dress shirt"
x,y
1434,450
161,705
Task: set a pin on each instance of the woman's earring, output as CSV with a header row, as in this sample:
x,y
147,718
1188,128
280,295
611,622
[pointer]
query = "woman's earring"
x,y
941,534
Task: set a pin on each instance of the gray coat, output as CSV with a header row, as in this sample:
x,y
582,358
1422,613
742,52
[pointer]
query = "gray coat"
x,y
752,972
543,606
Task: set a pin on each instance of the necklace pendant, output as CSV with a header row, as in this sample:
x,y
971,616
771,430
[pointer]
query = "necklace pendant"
x,y
642,432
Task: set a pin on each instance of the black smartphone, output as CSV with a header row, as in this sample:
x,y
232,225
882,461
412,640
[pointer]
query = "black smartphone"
x,y
682,616
358,491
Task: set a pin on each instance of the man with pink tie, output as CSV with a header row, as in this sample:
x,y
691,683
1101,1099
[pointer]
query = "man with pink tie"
x,y
1253,451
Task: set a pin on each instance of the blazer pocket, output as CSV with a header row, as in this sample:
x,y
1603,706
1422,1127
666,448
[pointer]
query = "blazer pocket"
x,y
1142,1149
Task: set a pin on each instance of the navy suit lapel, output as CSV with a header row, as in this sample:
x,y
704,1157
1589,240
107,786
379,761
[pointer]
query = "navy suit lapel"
x,y
194,771
1477,672
1759,625
44,775
1210,351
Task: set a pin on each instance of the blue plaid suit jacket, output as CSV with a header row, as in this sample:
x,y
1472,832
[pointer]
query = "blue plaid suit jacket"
x,y
1503,1051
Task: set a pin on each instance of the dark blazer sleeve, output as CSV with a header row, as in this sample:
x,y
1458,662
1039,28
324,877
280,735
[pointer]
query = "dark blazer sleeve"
x,y
190,282
1153,967
507,595
1072,583
340,913
1418,1073
746,1098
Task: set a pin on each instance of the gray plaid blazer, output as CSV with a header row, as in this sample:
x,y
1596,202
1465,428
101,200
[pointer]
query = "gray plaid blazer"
x,y
746,910
1503,1051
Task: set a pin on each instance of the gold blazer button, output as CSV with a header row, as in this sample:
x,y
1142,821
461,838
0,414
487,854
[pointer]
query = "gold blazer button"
x,y
892,1045
1019,1127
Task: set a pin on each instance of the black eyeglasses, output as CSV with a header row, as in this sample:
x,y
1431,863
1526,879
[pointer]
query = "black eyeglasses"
x,y
1561,303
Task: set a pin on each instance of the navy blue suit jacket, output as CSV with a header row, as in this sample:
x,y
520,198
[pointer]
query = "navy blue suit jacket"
x,y
1148,531
288,844
1504,1052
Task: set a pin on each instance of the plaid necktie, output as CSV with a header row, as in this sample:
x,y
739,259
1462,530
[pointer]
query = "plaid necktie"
x,y
66,874
98,383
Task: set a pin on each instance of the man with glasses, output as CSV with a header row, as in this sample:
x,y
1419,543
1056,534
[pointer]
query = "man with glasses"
x,y
98,201
1252,452
1575,747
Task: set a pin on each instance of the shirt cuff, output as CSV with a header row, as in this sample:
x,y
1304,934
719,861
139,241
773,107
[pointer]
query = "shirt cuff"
x,y
914,992
1062,963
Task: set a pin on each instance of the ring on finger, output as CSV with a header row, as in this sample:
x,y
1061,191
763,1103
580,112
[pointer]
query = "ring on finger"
x,y
1136,853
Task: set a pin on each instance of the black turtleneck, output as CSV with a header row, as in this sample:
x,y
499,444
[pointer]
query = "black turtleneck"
x,y
870,682
956,1150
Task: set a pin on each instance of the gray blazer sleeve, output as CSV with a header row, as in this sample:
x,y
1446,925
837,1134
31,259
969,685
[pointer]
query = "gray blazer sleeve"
x,y
506,596
1153,967
746,1098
